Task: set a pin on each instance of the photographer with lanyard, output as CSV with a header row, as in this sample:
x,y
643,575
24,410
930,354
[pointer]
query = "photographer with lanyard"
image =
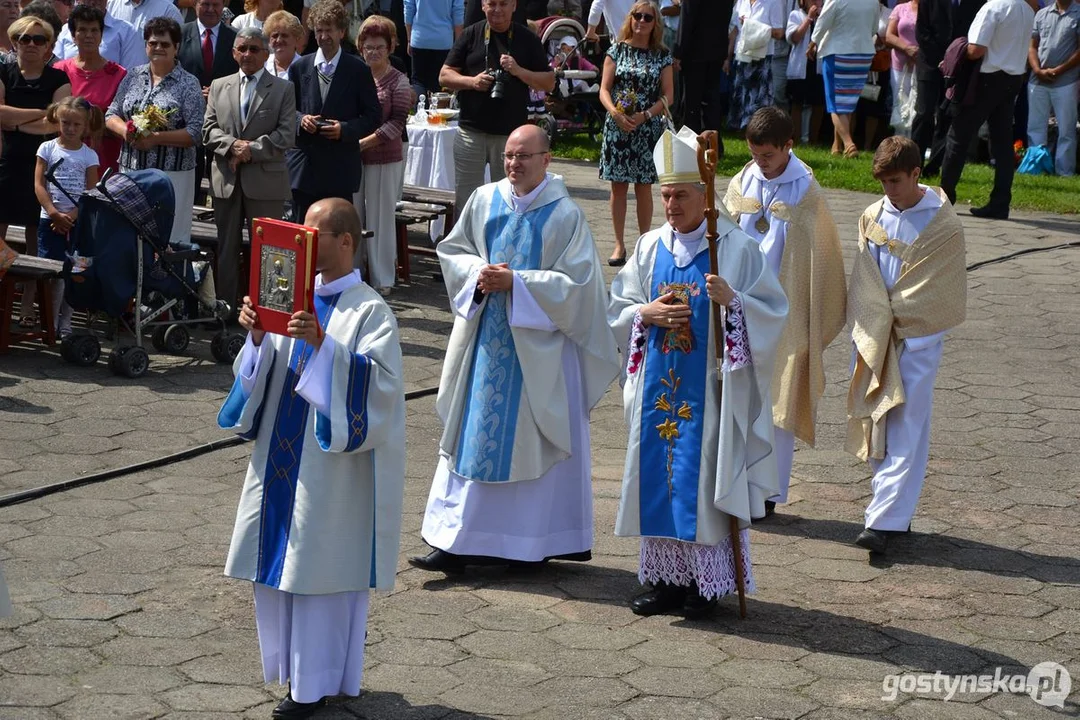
x,y
491,66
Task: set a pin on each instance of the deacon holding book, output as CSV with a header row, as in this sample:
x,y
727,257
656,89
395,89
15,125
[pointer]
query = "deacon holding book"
x,y
319,520
698,455
529,356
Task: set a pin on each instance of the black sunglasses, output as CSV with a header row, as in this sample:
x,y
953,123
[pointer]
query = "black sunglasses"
x,y
39,40
643,17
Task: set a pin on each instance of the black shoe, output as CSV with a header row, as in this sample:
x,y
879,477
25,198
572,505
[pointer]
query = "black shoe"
x,y
289,709
990,212
584,556
617,261
663,599
695,606
876,541
439,561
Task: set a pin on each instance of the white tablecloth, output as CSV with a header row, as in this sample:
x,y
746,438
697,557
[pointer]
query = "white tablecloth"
x,y
430,162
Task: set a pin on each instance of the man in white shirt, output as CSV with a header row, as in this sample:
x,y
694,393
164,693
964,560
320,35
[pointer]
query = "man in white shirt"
x,y
119,41
139,12
614,13
999,36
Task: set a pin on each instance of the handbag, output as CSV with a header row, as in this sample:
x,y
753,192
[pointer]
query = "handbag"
x,y
882,61
871,91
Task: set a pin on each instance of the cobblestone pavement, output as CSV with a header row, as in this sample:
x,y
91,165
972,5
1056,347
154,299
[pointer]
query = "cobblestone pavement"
x,y
122,611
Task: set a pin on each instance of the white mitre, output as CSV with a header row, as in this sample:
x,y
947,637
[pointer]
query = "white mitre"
x,y
676,157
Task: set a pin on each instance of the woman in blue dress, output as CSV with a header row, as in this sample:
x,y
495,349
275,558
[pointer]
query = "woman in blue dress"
x,y
637,82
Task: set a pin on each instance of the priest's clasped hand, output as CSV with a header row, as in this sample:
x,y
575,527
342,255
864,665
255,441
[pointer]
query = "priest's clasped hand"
x,y
719,290
248,319
305,326
495,278
665,311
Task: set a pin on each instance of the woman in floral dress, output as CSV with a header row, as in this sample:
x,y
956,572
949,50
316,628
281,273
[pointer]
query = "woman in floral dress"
x,y
637,80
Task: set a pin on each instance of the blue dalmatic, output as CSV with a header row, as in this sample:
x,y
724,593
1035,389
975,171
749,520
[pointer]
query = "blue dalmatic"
x,y
486,443
283,460
673,404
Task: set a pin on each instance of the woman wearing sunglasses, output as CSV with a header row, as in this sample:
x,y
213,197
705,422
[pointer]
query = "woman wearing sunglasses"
x,y
637,80
27,87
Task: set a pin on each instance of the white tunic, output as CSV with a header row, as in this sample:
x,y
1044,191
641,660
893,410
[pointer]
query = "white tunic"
x,y
548,513
898,477
789,187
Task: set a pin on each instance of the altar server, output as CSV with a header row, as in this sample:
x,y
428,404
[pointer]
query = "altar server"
x,y
776,201
319,520
529,356
695,457
907,288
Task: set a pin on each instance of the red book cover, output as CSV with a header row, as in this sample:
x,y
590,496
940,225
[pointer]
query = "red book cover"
x,y
282,271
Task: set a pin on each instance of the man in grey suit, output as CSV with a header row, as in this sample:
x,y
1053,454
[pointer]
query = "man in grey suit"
x,y
250,123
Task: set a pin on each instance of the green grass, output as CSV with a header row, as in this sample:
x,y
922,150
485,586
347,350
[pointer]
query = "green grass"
x,y
1043,193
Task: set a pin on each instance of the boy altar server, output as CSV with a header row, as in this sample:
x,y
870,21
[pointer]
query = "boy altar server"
x,y
776,201
319,520
529,356
908,287
695,457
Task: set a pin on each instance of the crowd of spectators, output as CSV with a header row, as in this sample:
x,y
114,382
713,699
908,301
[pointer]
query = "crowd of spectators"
x,y
867,67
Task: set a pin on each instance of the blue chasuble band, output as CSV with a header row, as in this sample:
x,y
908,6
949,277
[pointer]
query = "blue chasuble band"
x,y
283,460
486,443
673,404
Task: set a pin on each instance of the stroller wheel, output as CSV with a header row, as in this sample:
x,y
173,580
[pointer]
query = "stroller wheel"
x,y
67,346
158,338
132,362
84,350
176,339
226,346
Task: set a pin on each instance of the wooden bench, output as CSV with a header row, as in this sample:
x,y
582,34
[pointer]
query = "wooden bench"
x,y
25,269
412,213
433,196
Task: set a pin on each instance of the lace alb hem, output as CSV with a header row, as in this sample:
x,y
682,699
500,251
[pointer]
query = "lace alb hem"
x,y
712,567
636,347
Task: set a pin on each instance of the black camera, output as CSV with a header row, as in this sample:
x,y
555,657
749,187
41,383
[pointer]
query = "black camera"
x,y
498,87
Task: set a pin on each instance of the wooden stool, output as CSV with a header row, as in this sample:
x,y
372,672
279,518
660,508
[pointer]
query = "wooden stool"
x,y
39,271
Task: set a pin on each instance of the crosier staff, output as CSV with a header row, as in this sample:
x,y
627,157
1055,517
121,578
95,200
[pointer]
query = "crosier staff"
x,y
708,144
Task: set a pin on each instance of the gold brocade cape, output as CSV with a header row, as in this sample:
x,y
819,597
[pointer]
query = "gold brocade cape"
x,y
812,275
930,296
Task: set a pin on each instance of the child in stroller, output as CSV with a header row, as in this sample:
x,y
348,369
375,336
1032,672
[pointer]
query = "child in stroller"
x,y
574,105
121,265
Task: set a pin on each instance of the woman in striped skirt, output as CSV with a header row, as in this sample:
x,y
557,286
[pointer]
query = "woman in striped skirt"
x,y
843,39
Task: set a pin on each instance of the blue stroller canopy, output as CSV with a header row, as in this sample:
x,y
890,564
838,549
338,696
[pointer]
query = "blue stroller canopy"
x,y
145,198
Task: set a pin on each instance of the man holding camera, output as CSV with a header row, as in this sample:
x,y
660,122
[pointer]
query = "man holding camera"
x,y
492,66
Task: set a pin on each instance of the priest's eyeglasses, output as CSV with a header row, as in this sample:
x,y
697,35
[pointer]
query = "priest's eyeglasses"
x,y
522,157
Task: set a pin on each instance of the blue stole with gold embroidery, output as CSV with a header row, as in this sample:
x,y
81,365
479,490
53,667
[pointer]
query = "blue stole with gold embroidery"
x,y
673,404
283,461
486,442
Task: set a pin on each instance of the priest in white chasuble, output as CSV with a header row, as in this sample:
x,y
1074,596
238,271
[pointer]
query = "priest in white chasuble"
x,y
529,356
319,520
696,456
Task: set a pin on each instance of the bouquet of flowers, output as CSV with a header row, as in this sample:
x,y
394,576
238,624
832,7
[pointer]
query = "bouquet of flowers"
x,y
627,101
149,120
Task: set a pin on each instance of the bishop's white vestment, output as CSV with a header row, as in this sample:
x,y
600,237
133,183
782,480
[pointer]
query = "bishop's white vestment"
x,y
522,371
694,458
319,519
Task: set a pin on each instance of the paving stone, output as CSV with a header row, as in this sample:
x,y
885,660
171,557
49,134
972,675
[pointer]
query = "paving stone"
x,y
47,660
213,698
159,652
126,679
761,673
128,707
34,691
434,653
109,583
513,618
407,678
67,633
88,607
663,654
498,672
496,700
736,701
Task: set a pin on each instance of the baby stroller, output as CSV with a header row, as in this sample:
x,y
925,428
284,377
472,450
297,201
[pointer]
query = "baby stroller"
x,y
574,105
122,266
